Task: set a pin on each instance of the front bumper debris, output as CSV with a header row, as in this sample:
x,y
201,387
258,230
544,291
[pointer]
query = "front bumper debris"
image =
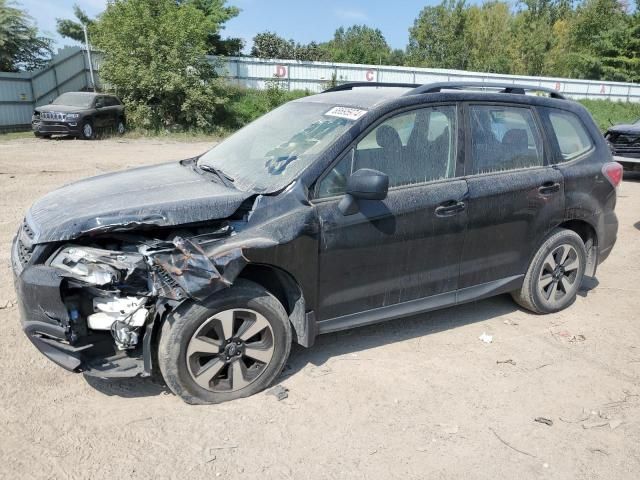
x,y
57,308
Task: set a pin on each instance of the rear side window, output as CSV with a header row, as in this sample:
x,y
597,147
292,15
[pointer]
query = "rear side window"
x,y
570,133
503,138
110,102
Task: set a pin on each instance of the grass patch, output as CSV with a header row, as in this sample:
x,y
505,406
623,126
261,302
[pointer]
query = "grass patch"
x,y
607,113
15,135
188,136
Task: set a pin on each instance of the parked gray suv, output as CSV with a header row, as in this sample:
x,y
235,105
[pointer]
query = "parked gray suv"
x,y
79,114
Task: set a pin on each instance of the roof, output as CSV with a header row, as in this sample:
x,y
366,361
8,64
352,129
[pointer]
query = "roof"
x,y
367,98
369,95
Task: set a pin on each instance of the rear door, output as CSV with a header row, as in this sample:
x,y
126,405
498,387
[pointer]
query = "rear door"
x,y
515,195
404,247
113,108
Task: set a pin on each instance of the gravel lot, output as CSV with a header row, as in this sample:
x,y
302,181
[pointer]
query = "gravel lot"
x,y
413,399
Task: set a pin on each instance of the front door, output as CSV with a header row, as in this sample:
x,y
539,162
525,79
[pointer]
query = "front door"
x,y
515,195
407,246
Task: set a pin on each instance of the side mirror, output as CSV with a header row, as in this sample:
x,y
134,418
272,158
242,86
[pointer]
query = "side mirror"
x,y
363,184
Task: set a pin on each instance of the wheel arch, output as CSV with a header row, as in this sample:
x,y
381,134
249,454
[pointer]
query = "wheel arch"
x,y
589,236
287,290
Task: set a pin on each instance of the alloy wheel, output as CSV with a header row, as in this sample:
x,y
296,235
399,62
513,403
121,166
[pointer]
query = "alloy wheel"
x,y
87,130
230,350
559,273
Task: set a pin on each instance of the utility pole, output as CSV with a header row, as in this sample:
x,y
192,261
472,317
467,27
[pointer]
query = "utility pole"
x,y
86,44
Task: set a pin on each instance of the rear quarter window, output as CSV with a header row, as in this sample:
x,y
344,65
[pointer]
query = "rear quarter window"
x,y
570,133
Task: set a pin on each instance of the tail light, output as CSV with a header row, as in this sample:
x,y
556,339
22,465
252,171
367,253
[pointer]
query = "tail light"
x,y
613,172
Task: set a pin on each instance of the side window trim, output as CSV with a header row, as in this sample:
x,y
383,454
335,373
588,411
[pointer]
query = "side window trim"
x,y
537,120
459,147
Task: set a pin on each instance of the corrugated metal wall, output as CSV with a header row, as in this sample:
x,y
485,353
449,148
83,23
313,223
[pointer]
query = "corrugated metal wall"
x,y
68,71
21,92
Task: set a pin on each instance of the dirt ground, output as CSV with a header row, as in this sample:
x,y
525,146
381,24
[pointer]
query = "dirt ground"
x,y
418,398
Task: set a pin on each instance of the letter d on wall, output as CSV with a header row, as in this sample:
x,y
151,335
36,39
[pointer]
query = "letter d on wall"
x,y
281,71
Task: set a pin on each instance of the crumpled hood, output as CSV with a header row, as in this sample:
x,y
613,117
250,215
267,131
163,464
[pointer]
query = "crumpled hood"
x,y
160,195
625,128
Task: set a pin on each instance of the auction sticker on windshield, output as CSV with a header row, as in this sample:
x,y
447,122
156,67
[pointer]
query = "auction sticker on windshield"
x,y
346,112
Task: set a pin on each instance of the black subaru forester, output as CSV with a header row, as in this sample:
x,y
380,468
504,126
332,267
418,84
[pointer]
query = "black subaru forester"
x,y
361,204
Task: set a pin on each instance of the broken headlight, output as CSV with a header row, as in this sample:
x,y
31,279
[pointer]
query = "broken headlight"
x,y
95,266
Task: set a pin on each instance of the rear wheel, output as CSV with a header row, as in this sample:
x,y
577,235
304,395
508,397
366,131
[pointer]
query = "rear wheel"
x,y
555,274
120,126
233,347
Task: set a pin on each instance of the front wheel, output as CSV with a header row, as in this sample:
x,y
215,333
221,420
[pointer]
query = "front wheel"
x,y
87,131
232,347
555,274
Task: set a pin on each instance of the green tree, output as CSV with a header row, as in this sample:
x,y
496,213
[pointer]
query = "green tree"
x,y
359,44
605,41
154,58
21,48
217,14
73,28
437,38
488,36
271,45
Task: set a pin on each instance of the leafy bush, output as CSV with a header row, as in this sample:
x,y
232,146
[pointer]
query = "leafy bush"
x,y
245,105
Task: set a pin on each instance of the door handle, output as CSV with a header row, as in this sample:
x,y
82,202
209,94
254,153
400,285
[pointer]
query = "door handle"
x,y
450,208
549,188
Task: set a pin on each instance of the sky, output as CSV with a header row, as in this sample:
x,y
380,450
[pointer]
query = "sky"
x,y
302,20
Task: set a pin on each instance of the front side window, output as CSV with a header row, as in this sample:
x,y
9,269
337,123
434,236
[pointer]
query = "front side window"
x,y
413,147
573,139
503,138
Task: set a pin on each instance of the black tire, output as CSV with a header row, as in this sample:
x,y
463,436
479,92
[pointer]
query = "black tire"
x,y
121,126
87,131
189,319
552,284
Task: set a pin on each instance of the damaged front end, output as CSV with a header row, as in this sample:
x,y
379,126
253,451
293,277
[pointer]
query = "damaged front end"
x,y
92,307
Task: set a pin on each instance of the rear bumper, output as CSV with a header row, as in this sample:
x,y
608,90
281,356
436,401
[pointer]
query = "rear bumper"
x,y
608,236
629,162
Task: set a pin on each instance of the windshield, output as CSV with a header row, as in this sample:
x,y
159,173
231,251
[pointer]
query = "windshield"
x,y
271,152
74,100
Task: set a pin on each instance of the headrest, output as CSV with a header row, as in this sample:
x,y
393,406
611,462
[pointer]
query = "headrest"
x,y
388,138
516,137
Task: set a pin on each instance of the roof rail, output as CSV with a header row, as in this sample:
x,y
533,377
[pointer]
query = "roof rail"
x,y
503,87
352,85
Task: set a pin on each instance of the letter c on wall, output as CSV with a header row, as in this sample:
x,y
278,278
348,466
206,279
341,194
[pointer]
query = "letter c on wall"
x,y
371,74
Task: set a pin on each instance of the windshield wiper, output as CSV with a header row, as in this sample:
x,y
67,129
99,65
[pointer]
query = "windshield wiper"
x,y
226,179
